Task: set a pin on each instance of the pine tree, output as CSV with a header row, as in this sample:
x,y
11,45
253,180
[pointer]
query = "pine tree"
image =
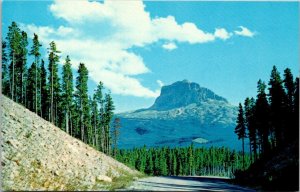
x,y
250,124
100,134
108,114
67,94
35,51
44,92
30,95
54,86
115,134
289,89
262,117
95,121
14,44
22,69
5,72
82,100
278,111
240,129
295,129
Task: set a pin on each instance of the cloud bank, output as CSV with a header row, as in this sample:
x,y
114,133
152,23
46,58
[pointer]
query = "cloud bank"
x,y
100,34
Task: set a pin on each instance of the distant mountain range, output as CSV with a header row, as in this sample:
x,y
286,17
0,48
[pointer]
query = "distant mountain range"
x,y
184,112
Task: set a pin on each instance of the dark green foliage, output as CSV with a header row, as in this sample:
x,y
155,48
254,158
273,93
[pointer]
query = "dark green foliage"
x,y
82,101
35,51
31,91
5,72
250,124
262,113
14,39
44,93
240,129
51,95
278,106
115,134
53,86
183,161
67,95
274,119
107,117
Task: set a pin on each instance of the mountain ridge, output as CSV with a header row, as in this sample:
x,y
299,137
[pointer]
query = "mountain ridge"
x,y
183,93
183,113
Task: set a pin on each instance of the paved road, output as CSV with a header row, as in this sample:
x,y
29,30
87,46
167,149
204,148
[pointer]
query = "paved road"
x,y
186,183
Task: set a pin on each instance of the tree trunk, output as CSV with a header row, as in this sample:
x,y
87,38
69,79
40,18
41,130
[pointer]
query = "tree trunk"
x,y
81,121
52,117
36,108
67,121
13,78
243,153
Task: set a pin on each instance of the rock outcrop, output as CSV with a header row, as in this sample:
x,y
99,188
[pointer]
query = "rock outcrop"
x,y
36,155
182,94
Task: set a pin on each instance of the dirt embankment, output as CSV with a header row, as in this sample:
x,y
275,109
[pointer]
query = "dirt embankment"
x,y
36,155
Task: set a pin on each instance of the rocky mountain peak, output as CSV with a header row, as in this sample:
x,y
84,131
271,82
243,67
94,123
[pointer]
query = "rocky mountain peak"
x,y
183,93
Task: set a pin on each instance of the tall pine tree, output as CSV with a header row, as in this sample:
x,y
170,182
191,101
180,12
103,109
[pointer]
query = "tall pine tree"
x,y
67,94
82,100
35,51
54,86
262,117
14,46
240,129
278,106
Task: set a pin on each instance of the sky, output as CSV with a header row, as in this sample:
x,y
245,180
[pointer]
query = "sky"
x,y
136,47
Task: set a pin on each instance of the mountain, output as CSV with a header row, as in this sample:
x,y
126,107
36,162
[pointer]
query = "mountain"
x,y
36,155
184,112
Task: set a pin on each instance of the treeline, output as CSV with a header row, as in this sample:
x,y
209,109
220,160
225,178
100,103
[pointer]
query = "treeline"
x,y
271,121
183,161
54,96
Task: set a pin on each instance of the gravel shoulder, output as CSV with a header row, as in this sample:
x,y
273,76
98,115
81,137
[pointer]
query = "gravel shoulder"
x,y
184,183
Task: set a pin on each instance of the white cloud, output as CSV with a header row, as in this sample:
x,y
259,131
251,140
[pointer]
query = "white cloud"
x,y
160,83
222,33
100,34
244,32
169,46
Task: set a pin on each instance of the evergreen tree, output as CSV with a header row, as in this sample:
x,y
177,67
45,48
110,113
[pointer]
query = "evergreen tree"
x,y
240,129
95,121
295,129
250,124
108,114
54,86
262,117
14,45
82,101
100,134
44,92
115,134
30,95
289,89
22,67
278,111
35,51
67,94
5,72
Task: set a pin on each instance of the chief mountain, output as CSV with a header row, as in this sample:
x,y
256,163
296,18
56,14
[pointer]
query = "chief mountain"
x,y
184,112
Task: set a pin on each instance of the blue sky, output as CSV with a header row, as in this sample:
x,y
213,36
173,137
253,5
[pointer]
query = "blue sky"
x,y
134,47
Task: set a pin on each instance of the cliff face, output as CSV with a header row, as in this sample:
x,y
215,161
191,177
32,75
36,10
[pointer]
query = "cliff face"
x,y
183,93
36,155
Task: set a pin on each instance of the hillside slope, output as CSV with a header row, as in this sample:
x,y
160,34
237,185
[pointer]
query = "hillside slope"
x,y
36,155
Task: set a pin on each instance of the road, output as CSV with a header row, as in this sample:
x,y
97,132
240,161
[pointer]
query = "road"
x,y
186,183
